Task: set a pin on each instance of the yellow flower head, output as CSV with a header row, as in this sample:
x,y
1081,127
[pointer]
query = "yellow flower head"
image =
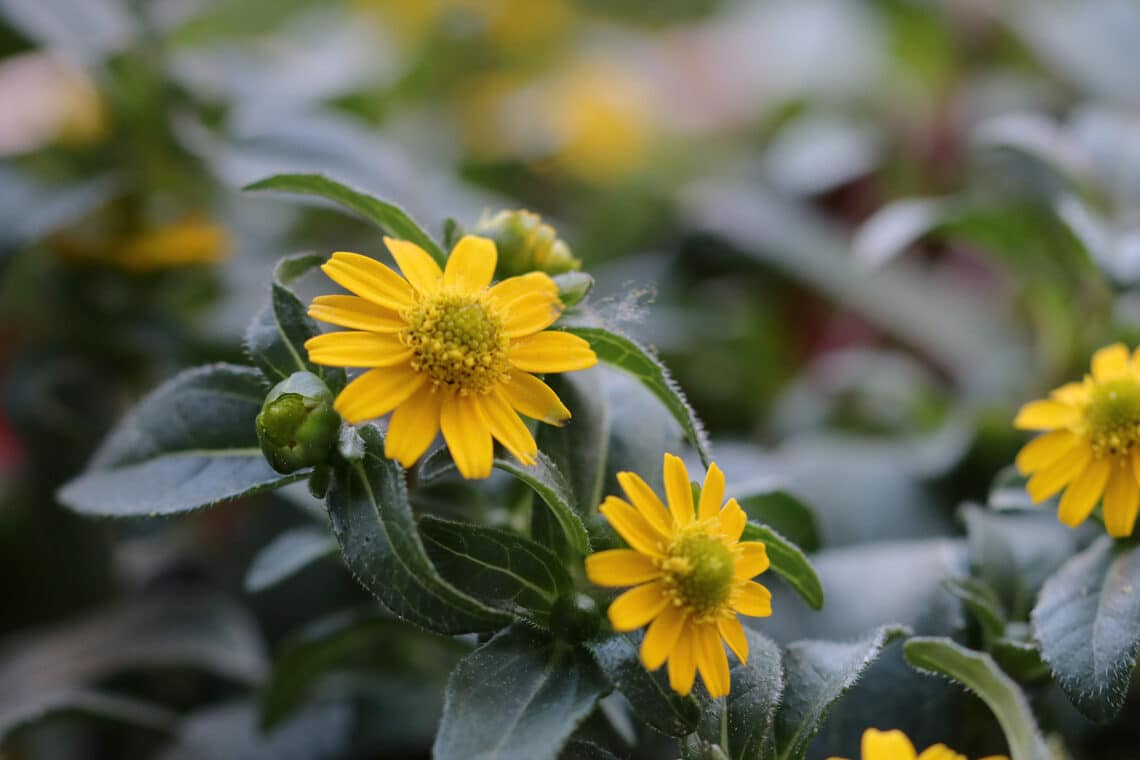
x,y
693,575
446,351
1089,447
894,745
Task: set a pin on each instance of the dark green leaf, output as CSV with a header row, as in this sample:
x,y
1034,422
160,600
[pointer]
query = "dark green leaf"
x,y
982,602
373,523
286,555
786,514
981,675
521,695
652,699
628,356
191,443
578,449
1087,620
499,568
789,562
757,689
388,217
580,749
275,339
817,673
32,708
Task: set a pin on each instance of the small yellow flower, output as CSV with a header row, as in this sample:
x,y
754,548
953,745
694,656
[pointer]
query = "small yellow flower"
x,y
693,575
1089,447
446,352
894,745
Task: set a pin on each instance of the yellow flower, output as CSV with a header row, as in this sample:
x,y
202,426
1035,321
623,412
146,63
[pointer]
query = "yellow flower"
x,y
446,352
692,573
1089,449
894,745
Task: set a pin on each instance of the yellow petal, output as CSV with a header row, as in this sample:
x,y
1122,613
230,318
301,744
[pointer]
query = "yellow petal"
x,y
887,745
1136,462
471,264
647,503
662,636
467,436
753,560
1056,476
634,528
369,279
1121,501
417,265
377,392
551,351
504,423
940,752
1045,450
683,663
712,493
620,567
712,661
534,398
1083,493
1045,415
530,313
414,425
1111,363
357,313
513,288
732,520
733,634
638,606
1073,394
678,490
753,600
353,348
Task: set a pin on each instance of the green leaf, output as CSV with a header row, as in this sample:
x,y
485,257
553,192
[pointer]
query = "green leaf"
x,y
497,567
981,675
817,674
628,356
573,287
373,523
191,443
521,694
287,554
650,695
757,689
387,216
1087,620
786,514
982,602
578,450
789,562
275,339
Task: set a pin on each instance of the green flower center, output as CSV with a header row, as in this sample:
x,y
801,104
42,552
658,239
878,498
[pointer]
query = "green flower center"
x,y
458,340
700,571
1113,417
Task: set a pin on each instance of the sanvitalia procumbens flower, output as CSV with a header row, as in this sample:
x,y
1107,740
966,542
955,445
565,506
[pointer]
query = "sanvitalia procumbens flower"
x,y
1089,447
691,572
894,745
446,351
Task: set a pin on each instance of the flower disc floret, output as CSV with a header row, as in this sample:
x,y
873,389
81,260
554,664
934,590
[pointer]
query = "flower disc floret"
x,y
458,340
1113,417
699,570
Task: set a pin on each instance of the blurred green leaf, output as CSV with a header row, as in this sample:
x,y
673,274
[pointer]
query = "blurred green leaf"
x,y
578,449
190,443
894,228
373,523
630,357
757,690
817,674
287,554
982,602
499,568
789,562
231,730
521,694
573,287
981,675
388,217
785,514
1087,620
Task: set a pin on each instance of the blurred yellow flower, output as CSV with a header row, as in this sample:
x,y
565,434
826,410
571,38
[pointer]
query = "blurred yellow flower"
x,y
191,240
1088,448
446,351
47,99
894,745
510,25
692,575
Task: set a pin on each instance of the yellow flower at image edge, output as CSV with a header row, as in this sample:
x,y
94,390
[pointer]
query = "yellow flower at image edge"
x,y
1089,446
446,351
894,745
692,575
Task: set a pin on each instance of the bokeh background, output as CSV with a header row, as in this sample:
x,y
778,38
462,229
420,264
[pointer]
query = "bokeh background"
x,y
860,234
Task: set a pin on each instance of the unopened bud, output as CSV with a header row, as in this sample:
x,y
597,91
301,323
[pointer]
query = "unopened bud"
x,y
297,426
526,244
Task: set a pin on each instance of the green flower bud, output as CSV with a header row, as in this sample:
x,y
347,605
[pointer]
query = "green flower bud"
x,y
525,244
297,426
575,618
